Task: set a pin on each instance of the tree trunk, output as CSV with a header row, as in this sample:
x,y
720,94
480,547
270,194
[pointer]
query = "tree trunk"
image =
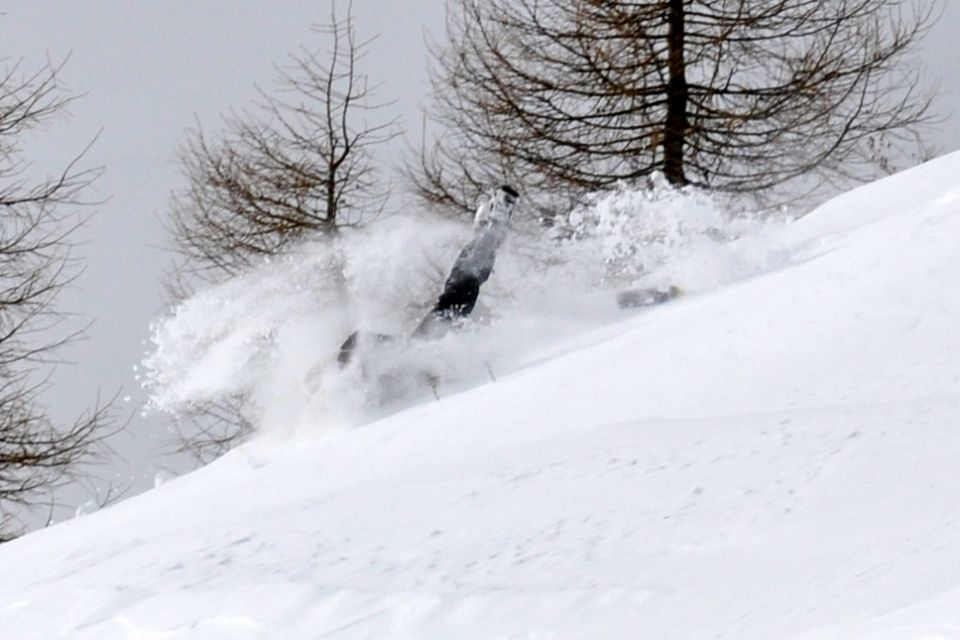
x,y
675,131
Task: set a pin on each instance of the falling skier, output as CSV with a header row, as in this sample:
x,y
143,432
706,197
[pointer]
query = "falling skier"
x,y
473,266
470,271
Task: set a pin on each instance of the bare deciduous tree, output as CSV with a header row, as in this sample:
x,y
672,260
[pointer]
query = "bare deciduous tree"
x,y
300,165
566,96
36,453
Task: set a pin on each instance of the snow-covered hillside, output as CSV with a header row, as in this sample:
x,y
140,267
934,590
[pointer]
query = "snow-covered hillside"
x,y
776,458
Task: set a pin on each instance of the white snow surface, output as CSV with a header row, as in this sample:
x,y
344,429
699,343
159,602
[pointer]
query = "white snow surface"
x,y
772,456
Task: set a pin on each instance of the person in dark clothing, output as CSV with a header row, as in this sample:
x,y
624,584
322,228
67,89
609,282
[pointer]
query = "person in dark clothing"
x,y
473,265
470,271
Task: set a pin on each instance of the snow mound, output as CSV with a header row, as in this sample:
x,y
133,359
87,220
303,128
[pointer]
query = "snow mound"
x,y
775,458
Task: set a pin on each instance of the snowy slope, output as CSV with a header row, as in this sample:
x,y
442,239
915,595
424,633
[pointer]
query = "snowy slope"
x,y
777,459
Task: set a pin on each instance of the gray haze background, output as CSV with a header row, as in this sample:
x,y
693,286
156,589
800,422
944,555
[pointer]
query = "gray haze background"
x,y
150,69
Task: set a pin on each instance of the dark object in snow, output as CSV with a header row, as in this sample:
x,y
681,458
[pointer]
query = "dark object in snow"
x,y
470,271
350,345
646,297
473,266
346,349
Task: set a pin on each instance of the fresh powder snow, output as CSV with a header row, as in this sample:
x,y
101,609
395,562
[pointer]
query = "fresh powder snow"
x,y
772,455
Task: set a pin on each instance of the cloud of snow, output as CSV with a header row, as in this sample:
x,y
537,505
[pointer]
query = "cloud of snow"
x,y
661,235
273,334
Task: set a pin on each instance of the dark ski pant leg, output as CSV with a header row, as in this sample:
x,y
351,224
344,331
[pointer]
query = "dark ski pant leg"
x,y
460,293
461,290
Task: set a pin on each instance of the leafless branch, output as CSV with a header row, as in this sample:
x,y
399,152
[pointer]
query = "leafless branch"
x,y
568,96
37,221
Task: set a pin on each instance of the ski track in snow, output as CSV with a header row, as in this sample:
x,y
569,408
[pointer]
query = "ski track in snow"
x,y
774,460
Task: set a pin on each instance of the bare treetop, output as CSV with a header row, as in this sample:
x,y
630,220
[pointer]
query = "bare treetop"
x,y
301,163
733,95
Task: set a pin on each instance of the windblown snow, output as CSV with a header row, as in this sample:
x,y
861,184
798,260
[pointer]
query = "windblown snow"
x,y
772,455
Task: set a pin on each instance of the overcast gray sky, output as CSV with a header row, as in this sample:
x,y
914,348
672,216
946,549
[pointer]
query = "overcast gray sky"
x,y
148,69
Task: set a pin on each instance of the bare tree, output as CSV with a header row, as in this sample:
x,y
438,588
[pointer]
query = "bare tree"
x,y
36,454
566,96
299,165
